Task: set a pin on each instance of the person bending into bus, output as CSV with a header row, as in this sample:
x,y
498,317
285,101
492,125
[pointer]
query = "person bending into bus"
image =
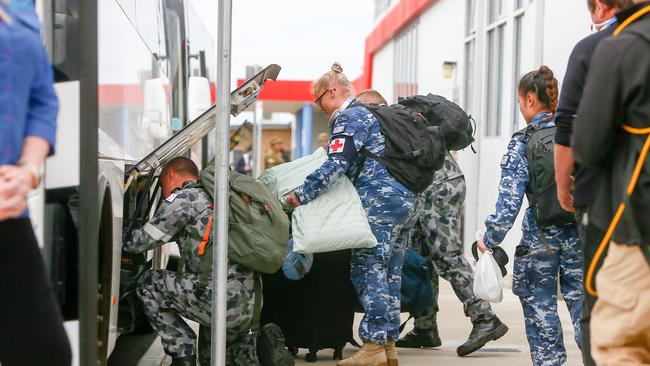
x,y
544,251
31,326
169,297
389,205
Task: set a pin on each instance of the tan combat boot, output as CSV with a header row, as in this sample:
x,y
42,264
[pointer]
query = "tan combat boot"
x,y
371,354
391,354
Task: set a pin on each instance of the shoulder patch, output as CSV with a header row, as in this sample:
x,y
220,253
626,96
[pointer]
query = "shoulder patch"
x,y
338,129
336,146
171,197
510,161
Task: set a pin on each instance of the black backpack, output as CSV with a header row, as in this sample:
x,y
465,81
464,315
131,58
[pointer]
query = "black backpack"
x,y
542,190
455,125
414,150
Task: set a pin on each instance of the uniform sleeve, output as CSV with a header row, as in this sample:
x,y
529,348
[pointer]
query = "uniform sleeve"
x,y
170,218
600,113
512,187
348,137
43,104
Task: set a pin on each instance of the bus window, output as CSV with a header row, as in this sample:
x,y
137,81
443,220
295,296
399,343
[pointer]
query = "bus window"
x,y
175,35
65,52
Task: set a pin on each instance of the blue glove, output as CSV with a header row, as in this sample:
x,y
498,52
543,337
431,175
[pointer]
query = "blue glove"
x,y
296,265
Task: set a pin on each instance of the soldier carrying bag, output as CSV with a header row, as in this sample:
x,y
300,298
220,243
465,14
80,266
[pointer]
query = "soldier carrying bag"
x,y
258,227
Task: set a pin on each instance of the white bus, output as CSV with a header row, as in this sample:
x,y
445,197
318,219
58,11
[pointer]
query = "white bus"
x,y
130,76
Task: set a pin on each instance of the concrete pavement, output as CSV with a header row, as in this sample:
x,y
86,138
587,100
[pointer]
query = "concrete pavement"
x,y
454,327
511,350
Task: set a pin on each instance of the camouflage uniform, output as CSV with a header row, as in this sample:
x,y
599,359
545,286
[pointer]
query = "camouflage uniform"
x,y
375,272
439,228
168,296
535,274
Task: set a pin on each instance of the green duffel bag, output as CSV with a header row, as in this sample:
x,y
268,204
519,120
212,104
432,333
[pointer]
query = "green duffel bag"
x,y
258,227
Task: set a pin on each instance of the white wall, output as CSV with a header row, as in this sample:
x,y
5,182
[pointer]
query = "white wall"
x,y
550,29
382,71
565,23
440,39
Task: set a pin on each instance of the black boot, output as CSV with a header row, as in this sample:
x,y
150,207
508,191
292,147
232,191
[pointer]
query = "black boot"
x,y
420,338
271,349
184,361
483,331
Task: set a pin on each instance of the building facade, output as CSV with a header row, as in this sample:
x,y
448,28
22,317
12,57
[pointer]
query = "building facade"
x,y
473,52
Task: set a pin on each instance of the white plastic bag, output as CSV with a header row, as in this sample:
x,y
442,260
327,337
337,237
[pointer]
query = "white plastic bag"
x,y
487,279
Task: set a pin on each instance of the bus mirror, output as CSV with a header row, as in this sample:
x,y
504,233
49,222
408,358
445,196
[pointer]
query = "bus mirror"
x,y
198,98
156,108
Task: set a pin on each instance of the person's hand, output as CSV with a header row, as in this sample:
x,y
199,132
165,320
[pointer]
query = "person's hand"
x,y
481,246
293,201
15,184
565,195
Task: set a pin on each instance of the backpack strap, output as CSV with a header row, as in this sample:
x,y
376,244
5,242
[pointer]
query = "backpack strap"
x,y
362,163
206,236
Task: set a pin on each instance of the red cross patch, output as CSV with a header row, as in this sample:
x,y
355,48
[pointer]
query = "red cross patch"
x,y
336,146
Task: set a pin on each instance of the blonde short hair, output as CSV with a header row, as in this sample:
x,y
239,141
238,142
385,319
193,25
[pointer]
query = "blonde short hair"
x,y
332,78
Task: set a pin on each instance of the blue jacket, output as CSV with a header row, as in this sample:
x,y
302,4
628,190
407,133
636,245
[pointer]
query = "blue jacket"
x,y
28,104
512,188
354,128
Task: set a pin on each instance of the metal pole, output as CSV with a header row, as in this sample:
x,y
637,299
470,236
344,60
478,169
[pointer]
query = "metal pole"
x,y
258,159
220,230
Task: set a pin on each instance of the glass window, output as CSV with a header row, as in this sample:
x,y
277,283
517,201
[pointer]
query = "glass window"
x,y
469,74
471,17
176,57
495,81
147,13
63,43
519,4
405,66
496,9
517,118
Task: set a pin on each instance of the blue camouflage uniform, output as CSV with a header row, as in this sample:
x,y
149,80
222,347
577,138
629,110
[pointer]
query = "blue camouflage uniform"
x,y
537,261
389,205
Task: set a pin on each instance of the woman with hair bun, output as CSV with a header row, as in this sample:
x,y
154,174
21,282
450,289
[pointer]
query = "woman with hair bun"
x,y
545,251
375,272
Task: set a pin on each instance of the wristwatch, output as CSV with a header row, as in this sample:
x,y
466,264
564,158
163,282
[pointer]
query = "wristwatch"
x,y
34,171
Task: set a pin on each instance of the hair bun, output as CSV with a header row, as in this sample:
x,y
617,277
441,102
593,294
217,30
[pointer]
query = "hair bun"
x,y
336,67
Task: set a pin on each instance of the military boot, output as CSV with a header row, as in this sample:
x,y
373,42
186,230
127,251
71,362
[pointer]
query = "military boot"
x,y
391,354
184,361
483,331
420,338
371,354
271,350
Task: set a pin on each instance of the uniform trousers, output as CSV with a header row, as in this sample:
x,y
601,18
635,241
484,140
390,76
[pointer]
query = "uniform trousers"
x,y
535,282
376,273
